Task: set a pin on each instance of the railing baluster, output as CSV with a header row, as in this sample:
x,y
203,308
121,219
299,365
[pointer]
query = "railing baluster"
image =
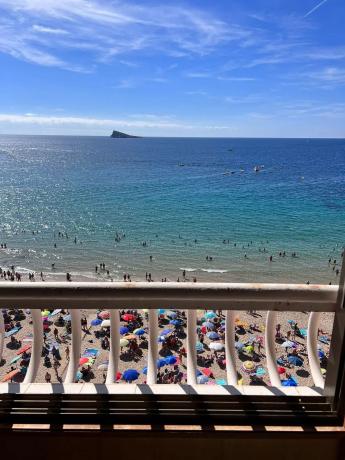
x,y
114,346
312,336
37,344
230,354
153,348
76,343
2,335
271,349
191,347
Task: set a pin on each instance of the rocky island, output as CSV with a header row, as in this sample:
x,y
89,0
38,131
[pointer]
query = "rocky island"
x,y
118,134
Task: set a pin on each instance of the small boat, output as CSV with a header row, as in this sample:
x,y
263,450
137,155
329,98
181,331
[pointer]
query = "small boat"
x,y
226,173
257,168
181,164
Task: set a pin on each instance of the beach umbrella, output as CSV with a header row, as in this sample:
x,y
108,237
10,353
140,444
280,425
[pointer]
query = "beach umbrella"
x,y
199,347
202,379
124,330
216,346
83,360
144,371
130,374
221,382
176,322
248,349
23,349
161,362
96,322
104,315
45,313
288,344
139,332
260,371
55,312
208,324
166,332
295,360
161,311
161,339
213,335
171,314
124,342
105,323
203,329
12,332
10,375
248,367
289,383
281,370
239,345
128,317
207,371
67,318
170,360
210,315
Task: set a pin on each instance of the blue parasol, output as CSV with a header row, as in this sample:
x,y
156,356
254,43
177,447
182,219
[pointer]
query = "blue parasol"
x,y
130,374
170,360
96,322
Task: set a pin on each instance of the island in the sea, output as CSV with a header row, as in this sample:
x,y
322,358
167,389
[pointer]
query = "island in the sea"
x,y
118,134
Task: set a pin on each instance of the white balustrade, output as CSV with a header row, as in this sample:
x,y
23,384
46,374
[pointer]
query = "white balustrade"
x,y
36,348
313,356
75,347
229,297
153,348
114,346
230,351
270,344
191,347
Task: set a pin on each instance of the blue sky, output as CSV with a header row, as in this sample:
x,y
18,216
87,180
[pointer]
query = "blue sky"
x,y
262,68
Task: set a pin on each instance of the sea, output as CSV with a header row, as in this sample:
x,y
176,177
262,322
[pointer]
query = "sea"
x,y
162,206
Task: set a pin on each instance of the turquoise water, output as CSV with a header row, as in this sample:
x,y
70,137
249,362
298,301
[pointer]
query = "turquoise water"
x,y
93,187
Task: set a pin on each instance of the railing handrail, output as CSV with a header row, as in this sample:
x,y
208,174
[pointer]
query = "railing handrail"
x,y
231,296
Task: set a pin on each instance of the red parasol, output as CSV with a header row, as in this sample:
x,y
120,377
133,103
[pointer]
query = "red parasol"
x,y
128,317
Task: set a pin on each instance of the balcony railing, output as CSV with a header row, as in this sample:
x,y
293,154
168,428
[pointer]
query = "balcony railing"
x,y
36,401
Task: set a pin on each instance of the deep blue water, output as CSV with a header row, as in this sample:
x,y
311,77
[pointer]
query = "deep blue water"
x,y
93,187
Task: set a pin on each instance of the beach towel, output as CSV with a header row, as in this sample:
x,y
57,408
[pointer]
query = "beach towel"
x,y
90,353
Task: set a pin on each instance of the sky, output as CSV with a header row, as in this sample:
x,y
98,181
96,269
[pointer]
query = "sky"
x,y
225,68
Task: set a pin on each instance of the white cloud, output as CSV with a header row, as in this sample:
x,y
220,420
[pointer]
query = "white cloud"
x,y
45,28
146,121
